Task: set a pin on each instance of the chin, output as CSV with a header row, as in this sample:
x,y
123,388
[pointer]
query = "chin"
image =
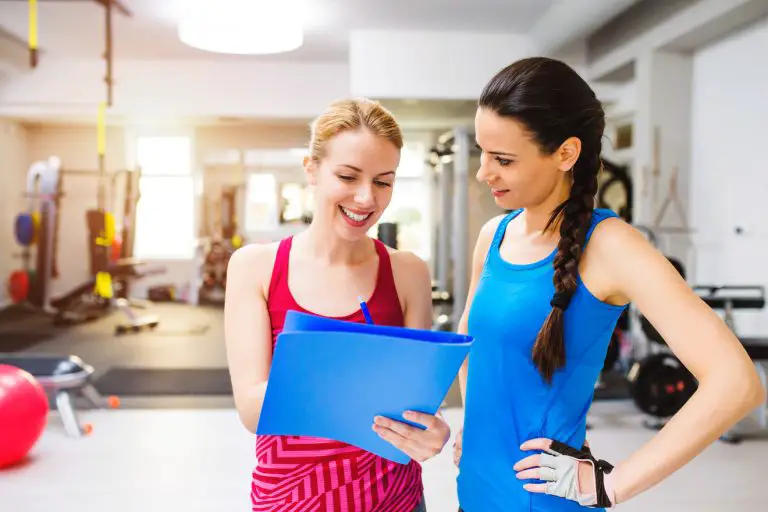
x,y
508,202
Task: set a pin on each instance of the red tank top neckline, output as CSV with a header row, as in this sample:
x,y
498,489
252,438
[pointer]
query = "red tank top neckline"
x,y
384,291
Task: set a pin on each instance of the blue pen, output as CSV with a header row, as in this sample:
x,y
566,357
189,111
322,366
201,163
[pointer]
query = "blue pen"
x,y
366,313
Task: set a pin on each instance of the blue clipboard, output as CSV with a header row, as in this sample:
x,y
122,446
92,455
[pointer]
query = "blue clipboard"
x,y
330,378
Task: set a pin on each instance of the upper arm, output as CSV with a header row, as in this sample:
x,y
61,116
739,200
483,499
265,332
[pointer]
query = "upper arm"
x,y
247,328
479,253
414,282
637,272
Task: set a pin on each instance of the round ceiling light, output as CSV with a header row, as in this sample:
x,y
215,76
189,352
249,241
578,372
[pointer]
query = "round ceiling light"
x,y
245,27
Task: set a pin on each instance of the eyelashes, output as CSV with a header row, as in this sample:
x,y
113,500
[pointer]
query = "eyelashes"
x,y
504,162
349,179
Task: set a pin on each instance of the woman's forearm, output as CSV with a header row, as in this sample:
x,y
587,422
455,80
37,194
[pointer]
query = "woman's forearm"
x,y
722,399
463,381
248,403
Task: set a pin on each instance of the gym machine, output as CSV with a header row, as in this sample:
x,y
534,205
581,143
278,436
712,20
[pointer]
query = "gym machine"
x,y
65,379
110,257
450,159
38,228
109,254
222,239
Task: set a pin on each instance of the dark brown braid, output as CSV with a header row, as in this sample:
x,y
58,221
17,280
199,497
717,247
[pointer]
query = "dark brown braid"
x,y
574,215
554,103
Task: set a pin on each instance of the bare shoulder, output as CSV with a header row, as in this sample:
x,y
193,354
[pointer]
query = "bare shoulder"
x,y
407,265
412,276
614,238
616,254
402,257
253,263
489,228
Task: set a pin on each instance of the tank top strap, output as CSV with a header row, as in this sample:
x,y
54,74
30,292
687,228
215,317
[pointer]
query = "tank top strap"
x,y
501,229
280,267
385,281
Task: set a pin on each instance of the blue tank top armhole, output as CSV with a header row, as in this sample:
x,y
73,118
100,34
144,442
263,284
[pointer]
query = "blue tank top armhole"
x,y
599,215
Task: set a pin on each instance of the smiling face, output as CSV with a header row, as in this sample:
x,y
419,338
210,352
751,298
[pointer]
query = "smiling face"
x,y
519,174
353,181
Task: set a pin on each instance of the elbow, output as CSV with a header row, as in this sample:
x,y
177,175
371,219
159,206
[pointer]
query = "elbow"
x,y
738,387
750,389
756,393
250,423
248,415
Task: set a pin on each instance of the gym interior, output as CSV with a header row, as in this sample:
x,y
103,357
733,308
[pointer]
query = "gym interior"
x,y
135,160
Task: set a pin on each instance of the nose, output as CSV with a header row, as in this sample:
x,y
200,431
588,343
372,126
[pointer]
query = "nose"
x,y
482,175
364,196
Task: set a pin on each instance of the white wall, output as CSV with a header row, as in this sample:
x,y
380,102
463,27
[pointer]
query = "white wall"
x,y
730,174
13,168
158,89
450,65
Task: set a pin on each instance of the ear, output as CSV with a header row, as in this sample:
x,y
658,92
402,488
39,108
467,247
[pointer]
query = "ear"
x,y
568,153
310,169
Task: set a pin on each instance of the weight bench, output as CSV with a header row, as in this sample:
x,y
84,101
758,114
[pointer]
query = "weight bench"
x,y
64,378
728,299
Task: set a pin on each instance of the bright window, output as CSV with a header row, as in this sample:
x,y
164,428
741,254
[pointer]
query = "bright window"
x,y
410,205
261,208
165,214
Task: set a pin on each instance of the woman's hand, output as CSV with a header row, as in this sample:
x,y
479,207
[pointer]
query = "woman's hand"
x,y
417,443
457,447
569,473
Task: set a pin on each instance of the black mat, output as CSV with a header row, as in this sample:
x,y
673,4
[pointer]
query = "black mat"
x,y
160,381
13,341
19,313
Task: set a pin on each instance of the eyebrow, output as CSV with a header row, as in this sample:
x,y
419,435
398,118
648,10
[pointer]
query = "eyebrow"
x,y
360,170
499,153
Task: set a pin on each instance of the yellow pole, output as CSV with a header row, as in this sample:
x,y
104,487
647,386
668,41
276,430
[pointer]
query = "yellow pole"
x,y
102,140
33,32
103,278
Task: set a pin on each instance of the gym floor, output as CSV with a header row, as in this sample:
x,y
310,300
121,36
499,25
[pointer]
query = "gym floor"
x,y
201,460
189,452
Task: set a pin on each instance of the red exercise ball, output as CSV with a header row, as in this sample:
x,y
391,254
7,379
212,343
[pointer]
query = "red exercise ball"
x,y
23,413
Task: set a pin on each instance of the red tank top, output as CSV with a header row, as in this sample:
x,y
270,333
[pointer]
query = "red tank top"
x,y
311,474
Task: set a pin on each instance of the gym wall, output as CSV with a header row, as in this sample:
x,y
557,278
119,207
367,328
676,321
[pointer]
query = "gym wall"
x,y
15,161
216,145
729,178
212,139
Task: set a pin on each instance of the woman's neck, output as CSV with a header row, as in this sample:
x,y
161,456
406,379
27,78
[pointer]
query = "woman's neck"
x,y
536,217
325,246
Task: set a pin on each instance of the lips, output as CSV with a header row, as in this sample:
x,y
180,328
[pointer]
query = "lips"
x,y
355,218
498,192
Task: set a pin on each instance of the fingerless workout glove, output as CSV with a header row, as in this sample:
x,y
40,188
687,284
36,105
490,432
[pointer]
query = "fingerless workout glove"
x,y
560,468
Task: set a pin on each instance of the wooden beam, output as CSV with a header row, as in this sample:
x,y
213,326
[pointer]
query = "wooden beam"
x,y
108,48
117,4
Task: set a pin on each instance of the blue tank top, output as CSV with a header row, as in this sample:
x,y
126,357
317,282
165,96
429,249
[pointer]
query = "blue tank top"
x,y
507,400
